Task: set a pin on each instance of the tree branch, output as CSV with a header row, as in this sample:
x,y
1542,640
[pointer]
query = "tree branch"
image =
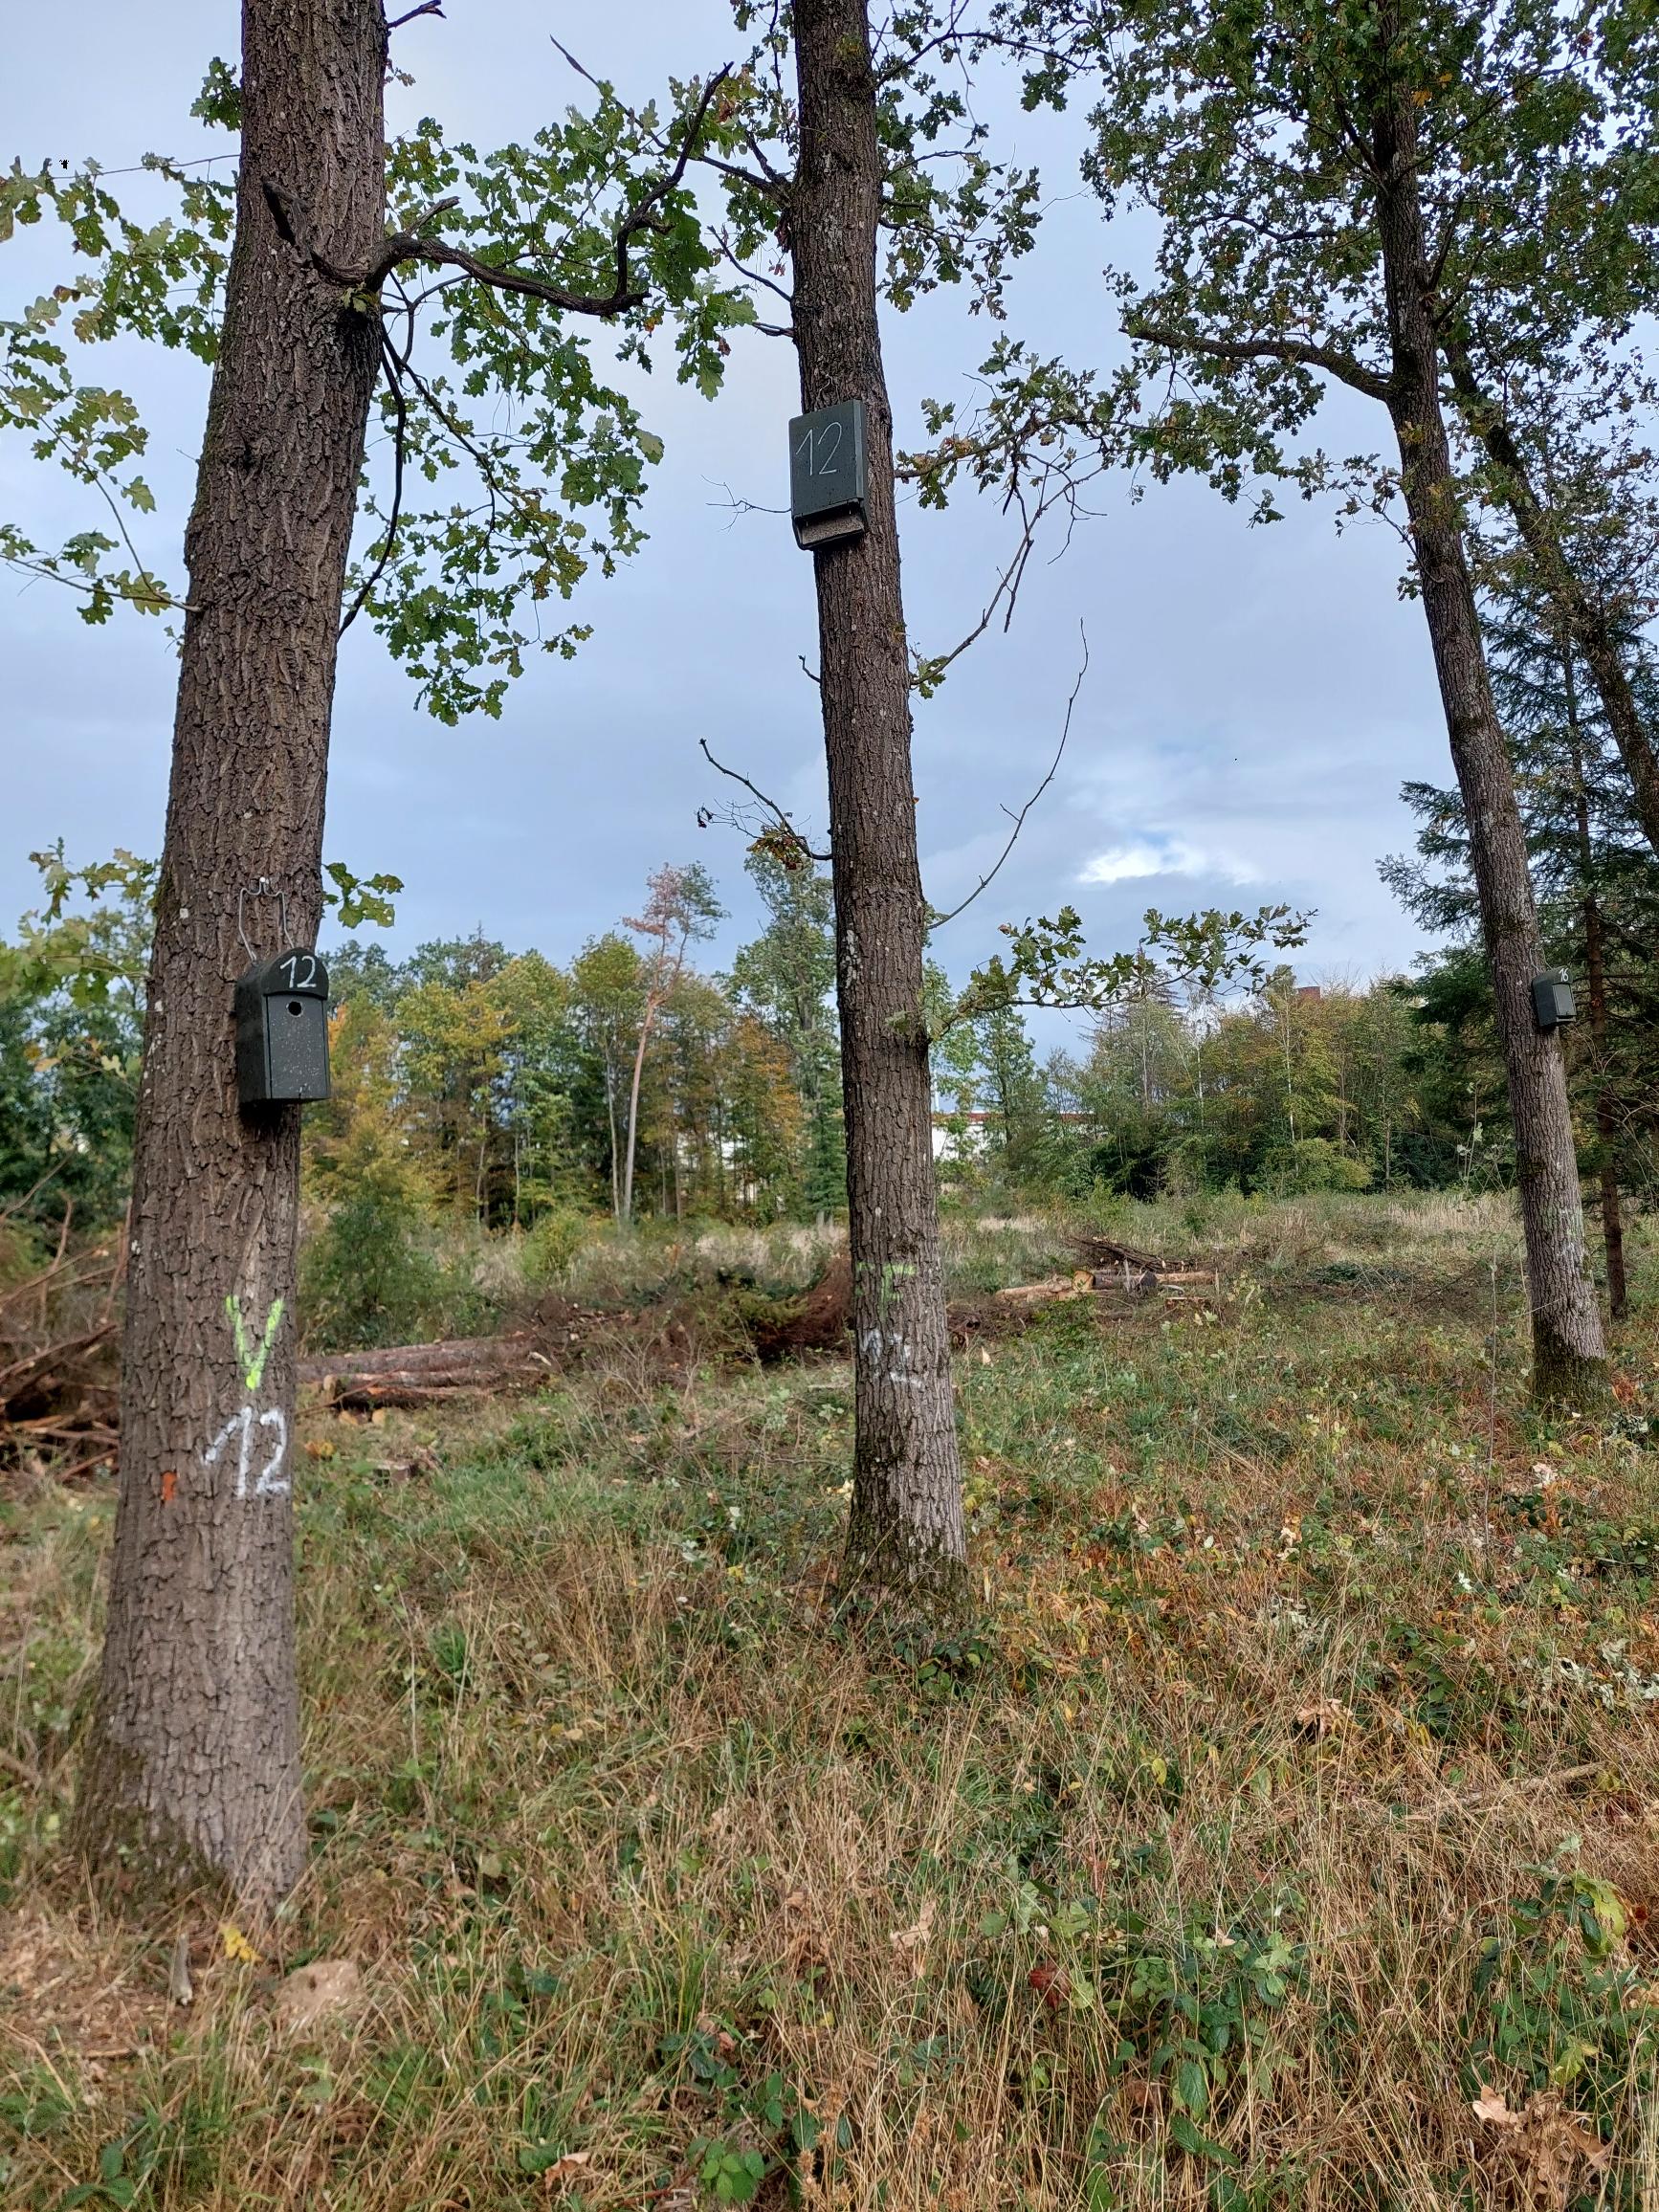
x,y
1329,358
938,921
783,833
406,246
770,184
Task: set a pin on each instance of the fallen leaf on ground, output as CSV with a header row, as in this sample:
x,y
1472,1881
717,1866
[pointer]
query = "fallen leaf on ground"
x,y
1545,2146
914,1940
1051,1984
326,1988
1323,1714
562,2169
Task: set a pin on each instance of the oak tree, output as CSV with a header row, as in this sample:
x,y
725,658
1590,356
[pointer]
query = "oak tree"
x,y
192,1768
1310,169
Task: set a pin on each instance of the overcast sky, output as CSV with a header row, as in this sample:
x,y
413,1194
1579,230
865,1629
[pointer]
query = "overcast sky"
x,y
1255,696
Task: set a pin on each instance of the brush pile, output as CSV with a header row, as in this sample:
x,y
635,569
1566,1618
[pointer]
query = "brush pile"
x,y
59,1317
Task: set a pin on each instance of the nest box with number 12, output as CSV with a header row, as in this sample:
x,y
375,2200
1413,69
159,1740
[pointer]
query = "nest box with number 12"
x,y
829,475
1553,999
282,1030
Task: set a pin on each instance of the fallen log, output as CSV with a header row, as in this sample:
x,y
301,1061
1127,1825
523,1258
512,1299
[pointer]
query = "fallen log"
x,y
422,1374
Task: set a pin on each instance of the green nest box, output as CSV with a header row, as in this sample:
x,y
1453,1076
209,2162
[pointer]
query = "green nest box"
x,y
829,475
1553,999
282,1030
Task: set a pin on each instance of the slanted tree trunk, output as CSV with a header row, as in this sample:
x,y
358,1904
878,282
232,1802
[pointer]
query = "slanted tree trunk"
x,y
1569,1355
906,1523
644,1028
1585,622
192,1769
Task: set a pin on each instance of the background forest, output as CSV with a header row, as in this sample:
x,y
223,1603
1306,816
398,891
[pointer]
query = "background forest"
x,y
494,1109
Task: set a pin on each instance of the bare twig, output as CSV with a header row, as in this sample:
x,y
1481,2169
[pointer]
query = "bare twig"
x,y
740,507
783,827
768,183
1009,582
394,380
938,921
426,8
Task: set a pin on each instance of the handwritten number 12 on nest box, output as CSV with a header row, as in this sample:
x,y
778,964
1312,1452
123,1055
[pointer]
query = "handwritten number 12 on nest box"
x,y
282,1030
829,475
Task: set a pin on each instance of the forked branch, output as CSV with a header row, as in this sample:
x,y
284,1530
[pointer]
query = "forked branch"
x,y
403,246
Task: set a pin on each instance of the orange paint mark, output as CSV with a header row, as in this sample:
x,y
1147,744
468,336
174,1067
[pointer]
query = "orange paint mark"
x,y
169,1486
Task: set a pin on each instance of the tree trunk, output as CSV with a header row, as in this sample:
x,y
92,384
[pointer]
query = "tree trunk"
x,y
193,1763
1596,965
1569,1355
1586,622
1606,1120
627,1212
906,1523
615,1153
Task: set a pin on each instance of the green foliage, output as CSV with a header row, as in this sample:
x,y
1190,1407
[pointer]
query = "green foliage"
x,y
553,1242
358,899
787,978
1314,1163
730,2160
368,1275
1050,965
71,1020
1556,2002
541,460
157,282
87,954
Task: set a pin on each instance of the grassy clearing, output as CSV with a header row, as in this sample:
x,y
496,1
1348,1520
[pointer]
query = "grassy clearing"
x,y
1297,1781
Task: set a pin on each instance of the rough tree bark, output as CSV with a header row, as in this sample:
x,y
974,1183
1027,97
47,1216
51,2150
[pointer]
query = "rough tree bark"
x,y
906,1523
1587,623
194,1767
1569,1355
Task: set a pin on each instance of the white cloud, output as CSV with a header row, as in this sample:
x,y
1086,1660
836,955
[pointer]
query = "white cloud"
x,y
1164,856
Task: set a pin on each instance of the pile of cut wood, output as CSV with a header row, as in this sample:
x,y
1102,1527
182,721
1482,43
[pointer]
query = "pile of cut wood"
x,y
1106,1268
58,1323
562,1336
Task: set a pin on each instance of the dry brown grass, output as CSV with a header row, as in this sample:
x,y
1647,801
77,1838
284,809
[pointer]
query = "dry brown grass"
x,y
641,1846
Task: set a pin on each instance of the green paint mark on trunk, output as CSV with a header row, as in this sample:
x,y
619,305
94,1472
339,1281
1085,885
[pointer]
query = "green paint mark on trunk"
x,y
251,1358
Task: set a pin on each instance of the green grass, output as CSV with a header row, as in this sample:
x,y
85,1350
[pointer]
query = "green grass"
x,y
1297,1778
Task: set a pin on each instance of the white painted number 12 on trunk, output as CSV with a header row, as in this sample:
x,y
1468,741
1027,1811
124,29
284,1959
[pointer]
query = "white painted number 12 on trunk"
x,y
268,1483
